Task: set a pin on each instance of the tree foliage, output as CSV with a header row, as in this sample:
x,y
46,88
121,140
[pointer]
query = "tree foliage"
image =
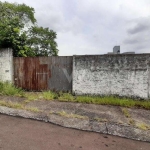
x,y
42,41
32,41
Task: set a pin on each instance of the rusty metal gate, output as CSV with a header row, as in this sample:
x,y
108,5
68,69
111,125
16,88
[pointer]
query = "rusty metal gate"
x,y
43,73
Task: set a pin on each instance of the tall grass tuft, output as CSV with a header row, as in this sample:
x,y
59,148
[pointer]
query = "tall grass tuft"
x,y
49,95
9,89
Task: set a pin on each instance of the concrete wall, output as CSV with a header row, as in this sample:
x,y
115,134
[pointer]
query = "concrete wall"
x,y
124,75
6,65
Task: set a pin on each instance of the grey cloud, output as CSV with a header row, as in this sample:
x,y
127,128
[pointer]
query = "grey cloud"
x,y
140,48
137,37
131,41
139,28
50,19
138,25
137,44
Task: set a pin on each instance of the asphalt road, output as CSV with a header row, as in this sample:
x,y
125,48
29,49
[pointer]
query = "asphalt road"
x,y
25,134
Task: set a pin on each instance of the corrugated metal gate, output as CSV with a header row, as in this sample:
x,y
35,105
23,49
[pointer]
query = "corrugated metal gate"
x,y
43,73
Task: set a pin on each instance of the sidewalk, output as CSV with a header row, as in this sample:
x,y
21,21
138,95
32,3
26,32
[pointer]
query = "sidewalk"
x,y
131,123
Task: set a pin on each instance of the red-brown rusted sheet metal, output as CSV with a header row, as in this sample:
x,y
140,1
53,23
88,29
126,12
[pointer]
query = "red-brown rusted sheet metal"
x,y
31,73
43,73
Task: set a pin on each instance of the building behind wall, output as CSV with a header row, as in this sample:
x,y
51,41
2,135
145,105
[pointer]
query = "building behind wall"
x,y
116,50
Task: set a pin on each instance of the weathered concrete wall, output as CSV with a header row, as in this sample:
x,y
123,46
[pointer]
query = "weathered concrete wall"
x,y
124,75
6,65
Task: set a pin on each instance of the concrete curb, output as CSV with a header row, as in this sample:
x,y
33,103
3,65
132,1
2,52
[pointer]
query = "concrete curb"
x,y
82,124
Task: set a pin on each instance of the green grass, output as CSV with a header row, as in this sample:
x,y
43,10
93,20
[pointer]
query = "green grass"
x,y
65,97
46,95
33,109
112,100
9,89
107,100
31,96
49,95
11,105
143,126
18,106
100,100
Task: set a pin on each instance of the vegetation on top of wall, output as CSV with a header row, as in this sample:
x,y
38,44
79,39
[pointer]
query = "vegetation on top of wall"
x,y
19,31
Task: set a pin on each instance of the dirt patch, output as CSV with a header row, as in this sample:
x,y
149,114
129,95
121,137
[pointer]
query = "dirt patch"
x,y
14,99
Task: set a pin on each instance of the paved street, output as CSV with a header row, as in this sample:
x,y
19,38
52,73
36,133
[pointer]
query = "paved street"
x,y
24,134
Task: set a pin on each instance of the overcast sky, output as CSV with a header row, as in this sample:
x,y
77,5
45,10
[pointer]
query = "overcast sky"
x,y
95,26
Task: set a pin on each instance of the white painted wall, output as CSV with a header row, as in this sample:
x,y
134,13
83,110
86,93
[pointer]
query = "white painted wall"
x,y
6,65
124,75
